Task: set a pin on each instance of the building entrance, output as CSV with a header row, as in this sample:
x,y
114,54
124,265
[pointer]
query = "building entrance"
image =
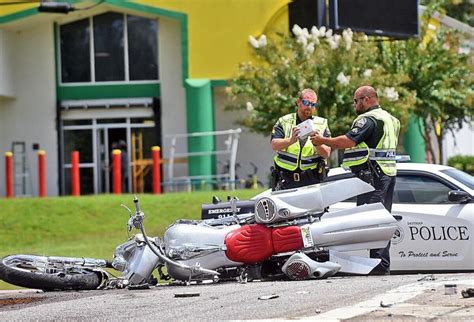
x,y
95,139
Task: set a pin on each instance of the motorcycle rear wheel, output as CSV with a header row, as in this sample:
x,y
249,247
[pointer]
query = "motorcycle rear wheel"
x,y
29,271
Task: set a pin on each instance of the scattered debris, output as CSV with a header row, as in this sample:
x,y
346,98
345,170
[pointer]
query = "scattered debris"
x,y
427,278
469,292
450,289
302,292
268,297
382,304
187,294
318,311
139,287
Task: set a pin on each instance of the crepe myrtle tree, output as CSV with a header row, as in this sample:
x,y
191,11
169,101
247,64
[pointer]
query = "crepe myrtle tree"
x,y
441,74
334,65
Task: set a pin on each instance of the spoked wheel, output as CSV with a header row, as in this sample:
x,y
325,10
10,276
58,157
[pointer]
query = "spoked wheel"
x,y
36,272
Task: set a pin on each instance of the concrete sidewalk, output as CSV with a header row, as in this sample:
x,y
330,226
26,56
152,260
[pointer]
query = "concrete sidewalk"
x,y
430,298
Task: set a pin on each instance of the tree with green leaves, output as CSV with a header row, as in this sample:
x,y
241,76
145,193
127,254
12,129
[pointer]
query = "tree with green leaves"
x,y
432,80
442,77
333,65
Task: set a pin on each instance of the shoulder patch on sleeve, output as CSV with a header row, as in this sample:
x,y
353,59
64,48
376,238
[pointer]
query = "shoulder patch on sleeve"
x,y
360,122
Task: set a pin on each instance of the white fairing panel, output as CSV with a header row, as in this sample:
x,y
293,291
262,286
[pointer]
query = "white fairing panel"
x,y
292,203
363,227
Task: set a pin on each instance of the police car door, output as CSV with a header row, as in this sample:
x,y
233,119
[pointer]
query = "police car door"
x,y
434,233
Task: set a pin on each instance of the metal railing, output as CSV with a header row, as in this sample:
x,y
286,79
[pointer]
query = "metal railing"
x,y
229,149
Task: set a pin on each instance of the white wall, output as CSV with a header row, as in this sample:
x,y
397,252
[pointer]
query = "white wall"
x,y
460,143
173,96
6,85
30,117
253,147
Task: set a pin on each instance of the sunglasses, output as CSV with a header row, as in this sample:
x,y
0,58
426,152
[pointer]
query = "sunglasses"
x,y
308,103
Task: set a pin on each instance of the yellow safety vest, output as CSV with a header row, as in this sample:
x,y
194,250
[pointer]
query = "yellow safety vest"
x,y
385,151
294,156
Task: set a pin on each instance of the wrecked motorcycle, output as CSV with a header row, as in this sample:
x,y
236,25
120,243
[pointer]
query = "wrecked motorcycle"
x,y
288,235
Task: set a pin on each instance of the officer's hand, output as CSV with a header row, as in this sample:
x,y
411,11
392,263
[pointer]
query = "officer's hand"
x,y
316,139
295,135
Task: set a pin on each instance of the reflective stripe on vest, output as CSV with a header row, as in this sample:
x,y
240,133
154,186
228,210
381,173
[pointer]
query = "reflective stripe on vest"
x,y
294,156
385,152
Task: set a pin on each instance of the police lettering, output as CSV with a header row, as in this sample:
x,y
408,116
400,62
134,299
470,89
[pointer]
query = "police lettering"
x,y
439,233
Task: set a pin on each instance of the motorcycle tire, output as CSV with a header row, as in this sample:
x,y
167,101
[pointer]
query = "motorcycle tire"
x,y
24,272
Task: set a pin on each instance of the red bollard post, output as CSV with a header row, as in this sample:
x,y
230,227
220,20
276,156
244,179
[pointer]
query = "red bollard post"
x,y
75,175
42,173
117,171
9,173
156,155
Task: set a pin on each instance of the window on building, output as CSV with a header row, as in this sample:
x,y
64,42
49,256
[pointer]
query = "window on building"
x,y
75,51
142,34
124,47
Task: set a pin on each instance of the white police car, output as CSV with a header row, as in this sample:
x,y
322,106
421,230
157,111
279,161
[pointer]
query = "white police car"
x,y
436,206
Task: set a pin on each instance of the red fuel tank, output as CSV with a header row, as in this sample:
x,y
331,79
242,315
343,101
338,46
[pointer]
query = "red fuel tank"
x,y
249,244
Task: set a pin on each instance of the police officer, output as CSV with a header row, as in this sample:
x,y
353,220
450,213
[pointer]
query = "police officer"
x,y
297,161
370,148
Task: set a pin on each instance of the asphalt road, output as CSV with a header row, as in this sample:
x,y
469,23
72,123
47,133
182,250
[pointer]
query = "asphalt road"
x,y
338,298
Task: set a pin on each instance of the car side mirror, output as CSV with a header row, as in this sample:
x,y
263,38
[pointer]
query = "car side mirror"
x,y
459,196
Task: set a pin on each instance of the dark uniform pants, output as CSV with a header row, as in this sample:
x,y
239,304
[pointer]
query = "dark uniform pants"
x,y
384,186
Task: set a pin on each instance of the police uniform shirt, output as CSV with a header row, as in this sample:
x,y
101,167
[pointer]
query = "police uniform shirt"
x,y
279,133
367,129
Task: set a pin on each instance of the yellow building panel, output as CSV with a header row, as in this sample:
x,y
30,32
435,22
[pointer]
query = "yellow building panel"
x,y
218,30
7,8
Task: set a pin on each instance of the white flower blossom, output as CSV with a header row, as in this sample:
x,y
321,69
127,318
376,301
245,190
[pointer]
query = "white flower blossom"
x,y
390,93
329,33
302,40
365,38
347,36
296,30
310,48
249,107
343,79
367,73
314,32
332,44
305,32
322,31
254,42
262,41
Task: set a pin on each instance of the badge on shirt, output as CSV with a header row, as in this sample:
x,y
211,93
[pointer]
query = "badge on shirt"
x,y
360,122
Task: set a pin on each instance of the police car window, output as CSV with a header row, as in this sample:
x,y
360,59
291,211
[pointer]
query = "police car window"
x,y
420,190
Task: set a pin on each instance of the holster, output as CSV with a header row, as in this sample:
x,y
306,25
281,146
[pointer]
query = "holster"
x,y
274,178
366,176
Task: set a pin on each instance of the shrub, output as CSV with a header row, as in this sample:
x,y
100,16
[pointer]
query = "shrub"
x,y
462,162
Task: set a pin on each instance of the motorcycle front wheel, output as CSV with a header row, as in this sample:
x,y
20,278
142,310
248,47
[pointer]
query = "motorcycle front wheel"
x,y
35,272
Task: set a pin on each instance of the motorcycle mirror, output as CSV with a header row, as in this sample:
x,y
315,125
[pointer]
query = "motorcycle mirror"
x,y
215,200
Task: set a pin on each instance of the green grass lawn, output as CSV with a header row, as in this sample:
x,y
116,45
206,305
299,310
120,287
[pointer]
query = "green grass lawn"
x,y
90,226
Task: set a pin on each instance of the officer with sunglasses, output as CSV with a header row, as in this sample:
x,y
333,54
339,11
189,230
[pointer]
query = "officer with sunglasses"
x,y
370,150
298,162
